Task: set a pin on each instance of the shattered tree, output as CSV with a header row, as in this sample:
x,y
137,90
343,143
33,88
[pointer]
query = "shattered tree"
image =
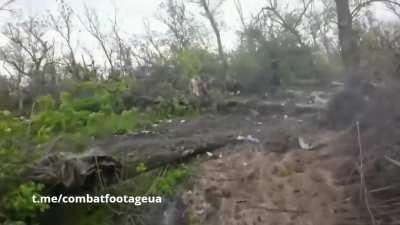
x,y
348,37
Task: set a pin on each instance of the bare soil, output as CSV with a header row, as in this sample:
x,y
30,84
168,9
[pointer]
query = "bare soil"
x,y
251,185
267,181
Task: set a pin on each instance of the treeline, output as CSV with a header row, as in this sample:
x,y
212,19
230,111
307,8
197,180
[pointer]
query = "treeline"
x,y
56,96
277,44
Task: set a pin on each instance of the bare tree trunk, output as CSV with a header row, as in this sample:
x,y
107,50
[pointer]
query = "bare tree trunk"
x,y
214,25
20,101
20,97
348,37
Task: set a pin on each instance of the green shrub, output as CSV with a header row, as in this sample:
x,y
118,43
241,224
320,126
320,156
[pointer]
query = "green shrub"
x,y
258,59
168,182
13,136
45,103
100,125
141,168
174,108
189,63
19,203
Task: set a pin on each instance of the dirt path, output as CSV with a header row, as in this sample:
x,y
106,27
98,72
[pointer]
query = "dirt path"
x,y
249,185
269,181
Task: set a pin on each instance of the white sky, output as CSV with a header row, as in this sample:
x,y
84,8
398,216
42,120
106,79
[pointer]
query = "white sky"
x,y
131,14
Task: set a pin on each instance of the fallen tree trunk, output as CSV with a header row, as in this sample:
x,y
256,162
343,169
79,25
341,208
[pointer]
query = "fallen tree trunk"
x,y
77,171
268,107
106,164
179,151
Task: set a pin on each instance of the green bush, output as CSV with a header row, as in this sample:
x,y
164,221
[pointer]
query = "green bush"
x,y
258,60
100,125
168,182
189,63
45,103
19,204
68,123
13,135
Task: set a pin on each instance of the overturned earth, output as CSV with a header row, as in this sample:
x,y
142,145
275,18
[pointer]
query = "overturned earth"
x,y
257,160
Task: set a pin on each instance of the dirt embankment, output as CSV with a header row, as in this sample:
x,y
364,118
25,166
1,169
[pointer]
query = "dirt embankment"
x,y
251,185
266,178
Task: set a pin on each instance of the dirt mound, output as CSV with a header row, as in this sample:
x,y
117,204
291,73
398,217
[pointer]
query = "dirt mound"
x,y
372,103
254,186
366,98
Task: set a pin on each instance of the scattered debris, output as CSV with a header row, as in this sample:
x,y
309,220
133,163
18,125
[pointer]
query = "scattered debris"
x,y
315,98
248,138
308,144
337,83
294,92
77,171
254,112
145,132
395,162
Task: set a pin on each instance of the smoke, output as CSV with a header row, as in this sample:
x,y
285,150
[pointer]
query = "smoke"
x,y
372,100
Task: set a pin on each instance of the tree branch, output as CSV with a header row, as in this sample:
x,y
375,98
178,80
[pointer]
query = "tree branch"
x,y
359,7
3,7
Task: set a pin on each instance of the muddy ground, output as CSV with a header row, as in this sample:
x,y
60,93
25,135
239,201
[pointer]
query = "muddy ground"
x,y
267,178
253,184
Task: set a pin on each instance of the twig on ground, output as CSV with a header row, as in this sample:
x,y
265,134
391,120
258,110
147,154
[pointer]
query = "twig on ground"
x,y
277,210
395,162
99,176
363,186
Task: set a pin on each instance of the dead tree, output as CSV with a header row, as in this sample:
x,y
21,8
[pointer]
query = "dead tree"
x,y
27,57
153,45
124,53
29,38
348,37
123,56
327,25
239,9
181,24
394,8
210,14
289,21
361,4
4,5
14,63
141,53
321,23
93,27
63,25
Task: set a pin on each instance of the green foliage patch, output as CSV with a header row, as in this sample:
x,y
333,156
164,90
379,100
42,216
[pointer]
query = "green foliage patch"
x,y
67,122
167,183
19,204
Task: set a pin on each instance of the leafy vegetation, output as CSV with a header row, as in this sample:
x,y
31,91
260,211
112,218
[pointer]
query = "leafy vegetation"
x,y
88,110
51,98
19,204
167,183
